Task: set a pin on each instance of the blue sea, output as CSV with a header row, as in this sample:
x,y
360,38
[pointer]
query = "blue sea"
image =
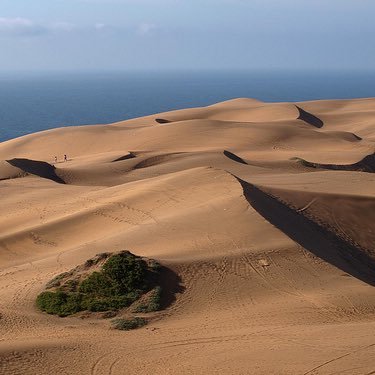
x,y
34,102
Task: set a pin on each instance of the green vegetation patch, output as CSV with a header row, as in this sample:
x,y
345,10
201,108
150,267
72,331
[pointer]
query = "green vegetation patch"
x,y
128,324
150,302
104,283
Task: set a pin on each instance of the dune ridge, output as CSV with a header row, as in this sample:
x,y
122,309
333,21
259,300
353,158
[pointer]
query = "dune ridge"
x,y
264,212
367,164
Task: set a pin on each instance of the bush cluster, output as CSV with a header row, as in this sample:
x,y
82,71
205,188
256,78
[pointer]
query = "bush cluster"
x,y
128,324
123,278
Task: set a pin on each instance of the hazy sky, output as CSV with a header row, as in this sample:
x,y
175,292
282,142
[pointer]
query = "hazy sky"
x,y
186,34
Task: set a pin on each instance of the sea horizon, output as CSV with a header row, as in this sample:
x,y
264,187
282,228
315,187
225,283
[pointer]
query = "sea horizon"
x,y
41,100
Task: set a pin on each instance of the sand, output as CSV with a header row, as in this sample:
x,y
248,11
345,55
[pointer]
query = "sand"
x,y
265,211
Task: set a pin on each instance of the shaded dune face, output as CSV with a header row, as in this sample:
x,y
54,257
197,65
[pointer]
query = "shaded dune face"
x,y
330,240
37,168
263,212
162,121
128,156
367,164
234,157
309,118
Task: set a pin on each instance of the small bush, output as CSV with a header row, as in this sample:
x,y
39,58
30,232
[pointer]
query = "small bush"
x,y
92,303
122,280
71,285
96,284
59,303
128,324
152,303
155,299
127,272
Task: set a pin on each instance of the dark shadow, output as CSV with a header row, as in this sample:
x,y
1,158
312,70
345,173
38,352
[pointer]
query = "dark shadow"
x,y
234,157
37,168
313,237
367,164
131,155
309,118
171,284
162,121
357,137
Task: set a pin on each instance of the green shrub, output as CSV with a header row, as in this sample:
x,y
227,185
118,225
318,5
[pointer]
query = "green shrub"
x,y
96,305
155,299
123,278
59,303
152,303
71,285
93,303
97,284
127,272
128,324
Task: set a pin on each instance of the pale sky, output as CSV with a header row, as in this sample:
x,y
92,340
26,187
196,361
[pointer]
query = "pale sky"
x,y
186,34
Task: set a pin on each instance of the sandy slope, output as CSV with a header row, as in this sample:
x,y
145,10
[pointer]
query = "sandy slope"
x,y
266,212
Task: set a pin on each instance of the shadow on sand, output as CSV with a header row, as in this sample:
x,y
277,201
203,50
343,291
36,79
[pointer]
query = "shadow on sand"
x,y
130,155
309,118
171,284
37,168
311,236
367,164
162,121
234,157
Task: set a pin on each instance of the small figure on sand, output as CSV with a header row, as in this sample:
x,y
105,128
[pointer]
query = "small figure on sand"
x,y
55,159
65,157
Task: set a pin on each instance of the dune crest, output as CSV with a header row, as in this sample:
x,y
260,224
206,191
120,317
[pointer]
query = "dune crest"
x,y
367,164
262,212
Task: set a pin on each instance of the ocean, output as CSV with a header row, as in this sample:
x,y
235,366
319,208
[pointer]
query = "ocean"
x,y
34,102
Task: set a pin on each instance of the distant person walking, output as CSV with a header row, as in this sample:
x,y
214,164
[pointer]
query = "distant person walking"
x,y
55,159
65,158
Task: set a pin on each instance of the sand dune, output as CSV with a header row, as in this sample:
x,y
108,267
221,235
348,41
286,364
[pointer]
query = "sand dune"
x,y
367,164
265,211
